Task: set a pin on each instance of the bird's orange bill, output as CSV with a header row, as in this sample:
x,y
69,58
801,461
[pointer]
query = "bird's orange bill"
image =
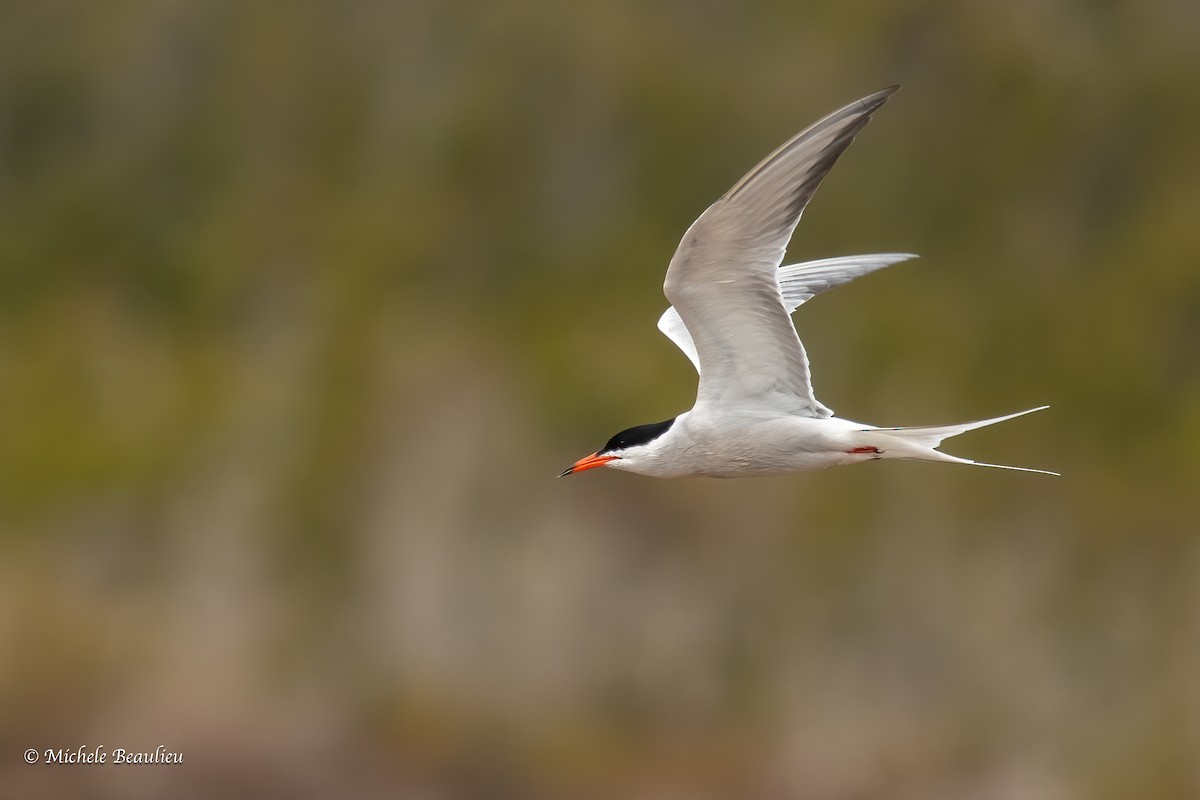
x,y
588,462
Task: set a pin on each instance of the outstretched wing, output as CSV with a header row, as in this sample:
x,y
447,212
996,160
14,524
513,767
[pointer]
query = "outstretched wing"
x,y
724,280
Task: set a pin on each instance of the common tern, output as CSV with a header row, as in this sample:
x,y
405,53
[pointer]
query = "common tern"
x,y
731,304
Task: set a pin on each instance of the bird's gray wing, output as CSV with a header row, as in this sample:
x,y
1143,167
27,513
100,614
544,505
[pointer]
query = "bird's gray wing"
x,y
723,280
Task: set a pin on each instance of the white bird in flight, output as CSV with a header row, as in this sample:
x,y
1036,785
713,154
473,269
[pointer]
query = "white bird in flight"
x,y
731,305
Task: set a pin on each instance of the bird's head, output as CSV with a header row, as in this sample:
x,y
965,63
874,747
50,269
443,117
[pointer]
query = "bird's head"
x,y
631,449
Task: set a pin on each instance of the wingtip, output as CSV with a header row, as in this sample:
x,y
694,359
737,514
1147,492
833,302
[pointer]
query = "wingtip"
x,y
867,106
874,101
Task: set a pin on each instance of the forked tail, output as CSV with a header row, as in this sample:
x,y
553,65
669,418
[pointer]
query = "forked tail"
x,y
921,442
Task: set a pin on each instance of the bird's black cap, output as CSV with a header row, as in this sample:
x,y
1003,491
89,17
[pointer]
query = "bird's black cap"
x,y
632,437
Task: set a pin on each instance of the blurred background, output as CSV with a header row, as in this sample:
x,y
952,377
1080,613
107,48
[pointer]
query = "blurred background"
x,y
303,306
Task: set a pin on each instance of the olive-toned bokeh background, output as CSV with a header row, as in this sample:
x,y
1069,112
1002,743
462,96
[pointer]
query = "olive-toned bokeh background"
x,y
304,305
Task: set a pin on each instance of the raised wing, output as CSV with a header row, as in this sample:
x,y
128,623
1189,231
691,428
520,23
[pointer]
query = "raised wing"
x,y
723,279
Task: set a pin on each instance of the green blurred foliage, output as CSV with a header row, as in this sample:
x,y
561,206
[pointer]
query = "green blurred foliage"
x,y
303,305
